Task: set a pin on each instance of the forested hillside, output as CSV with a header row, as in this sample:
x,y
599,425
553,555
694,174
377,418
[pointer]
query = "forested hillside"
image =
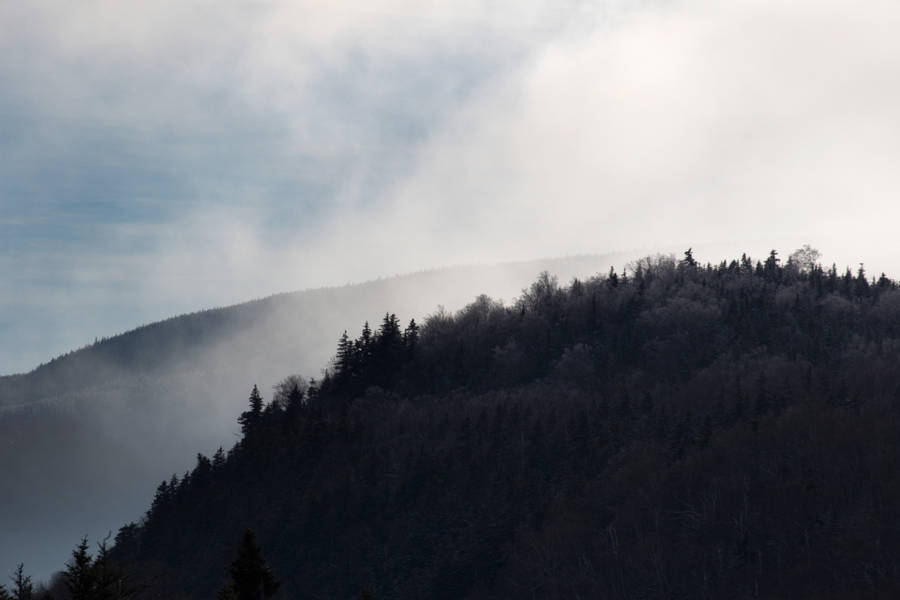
x,y
91,430
673,431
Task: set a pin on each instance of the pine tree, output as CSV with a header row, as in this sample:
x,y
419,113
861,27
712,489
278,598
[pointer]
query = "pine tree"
x,y
344,359
251,418
22,587
110,581
771,266
411,335
688,262
251,577
79,573
612,279
4,595
389,334
366,337
218,459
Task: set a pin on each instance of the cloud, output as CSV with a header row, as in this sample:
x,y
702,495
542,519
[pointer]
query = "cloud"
x,y
171,156
696,124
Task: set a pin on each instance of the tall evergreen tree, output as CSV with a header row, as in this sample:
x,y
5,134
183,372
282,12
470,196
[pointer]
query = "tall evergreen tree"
x,y
390,330
251,577
250,419
22,588
411,335
344,358
79,573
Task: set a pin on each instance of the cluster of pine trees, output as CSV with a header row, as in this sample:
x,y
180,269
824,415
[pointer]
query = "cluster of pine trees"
x,y
676,430
86,577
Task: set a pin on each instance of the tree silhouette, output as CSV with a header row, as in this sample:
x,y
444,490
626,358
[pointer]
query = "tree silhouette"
x,y
250,419
805,258
110,582
79,573
22,588
251,577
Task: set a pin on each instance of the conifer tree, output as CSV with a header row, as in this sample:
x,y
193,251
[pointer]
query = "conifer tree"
x,y
4,595
344,357
22,588
109,580
688,262
411,335
218,458
79,573
250,419
251,577
390,330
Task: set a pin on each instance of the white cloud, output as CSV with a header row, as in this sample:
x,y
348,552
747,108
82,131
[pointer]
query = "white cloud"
x,y
290,145
701,123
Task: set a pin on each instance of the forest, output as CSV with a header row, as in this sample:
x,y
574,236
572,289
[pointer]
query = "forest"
x,y
674,430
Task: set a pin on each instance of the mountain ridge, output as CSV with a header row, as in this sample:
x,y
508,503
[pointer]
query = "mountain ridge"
x,y
183,394
685,431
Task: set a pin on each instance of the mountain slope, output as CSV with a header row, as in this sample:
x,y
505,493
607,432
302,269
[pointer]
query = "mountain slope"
x,y
685,432
83,437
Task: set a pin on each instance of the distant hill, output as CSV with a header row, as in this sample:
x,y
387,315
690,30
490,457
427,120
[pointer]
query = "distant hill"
x,y
84,436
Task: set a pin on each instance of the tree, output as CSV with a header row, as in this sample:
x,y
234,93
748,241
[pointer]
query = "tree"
x,y
343,361
110,581
289,391
771,265
688,262
251,577
22,587
411,335
612,279
805,258
389,334
218,459
4,595
79,573
250,419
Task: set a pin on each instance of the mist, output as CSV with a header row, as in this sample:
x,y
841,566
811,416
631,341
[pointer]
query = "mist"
x,y
88,437
168,159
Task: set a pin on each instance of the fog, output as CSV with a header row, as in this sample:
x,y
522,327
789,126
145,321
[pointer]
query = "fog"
x,y
167,158
86,439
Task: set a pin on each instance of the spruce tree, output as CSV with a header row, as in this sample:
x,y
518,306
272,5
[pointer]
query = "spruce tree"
x,y
251,577
344,358
79,573
250,419
411,335
22,588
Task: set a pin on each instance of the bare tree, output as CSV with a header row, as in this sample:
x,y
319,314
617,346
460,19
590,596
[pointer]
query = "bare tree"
x,y
805,258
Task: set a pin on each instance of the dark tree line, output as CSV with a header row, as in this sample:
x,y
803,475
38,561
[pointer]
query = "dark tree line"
x,y
674,430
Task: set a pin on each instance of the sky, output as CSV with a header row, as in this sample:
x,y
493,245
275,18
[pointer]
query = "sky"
x,y
163,157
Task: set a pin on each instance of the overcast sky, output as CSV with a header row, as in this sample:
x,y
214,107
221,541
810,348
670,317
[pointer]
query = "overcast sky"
x,y
167,156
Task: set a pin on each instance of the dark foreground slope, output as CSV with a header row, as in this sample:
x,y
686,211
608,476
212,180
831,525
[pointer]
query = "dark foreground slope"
x,y
685,432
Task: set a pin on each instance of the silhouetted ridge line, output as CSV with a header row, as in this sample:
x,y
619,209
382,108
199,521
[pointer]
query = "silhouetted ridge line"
x,y
675,430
